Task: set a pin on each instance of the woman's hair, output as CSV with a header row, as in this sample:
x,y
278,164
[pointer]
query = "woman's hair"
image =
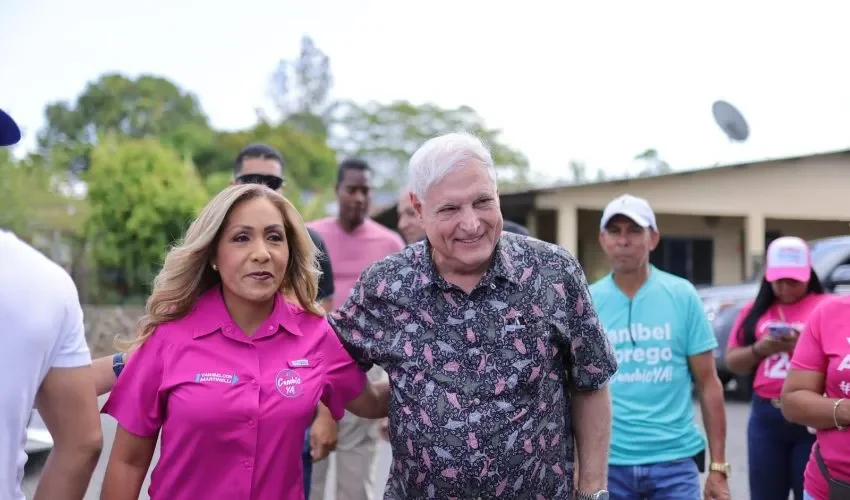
x,y
187,273
762,303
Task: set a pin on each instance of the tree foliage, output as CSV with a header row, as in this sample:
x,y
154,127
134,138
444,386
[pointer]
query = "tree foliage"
x,y
387,135
148,106
143,197
654,164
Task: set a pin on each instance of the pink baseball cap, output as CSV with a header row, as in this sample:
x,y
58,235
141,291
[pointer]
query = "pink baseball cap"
x,y
788,257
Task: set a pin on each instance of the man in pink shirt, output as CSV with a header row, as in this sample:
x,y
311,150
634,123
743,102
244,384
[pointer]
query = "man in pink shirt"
x,y
817,394
353,242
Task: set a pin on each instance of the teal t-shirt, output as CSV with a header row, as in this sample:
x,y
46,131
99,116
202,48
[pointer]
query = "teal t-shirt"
x,y
653,335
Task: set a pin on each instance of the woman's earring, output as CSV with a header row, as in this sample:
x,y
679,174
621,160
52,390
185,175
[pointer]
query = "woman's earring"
x,y
214,267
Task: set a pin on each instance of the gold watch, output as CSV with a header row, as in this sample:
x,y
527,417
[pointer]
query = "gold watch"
x,y
721,467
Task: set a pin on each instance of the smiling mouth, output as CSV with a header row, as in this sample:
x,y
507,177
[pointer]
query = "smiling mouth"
x,y
470,241
261,276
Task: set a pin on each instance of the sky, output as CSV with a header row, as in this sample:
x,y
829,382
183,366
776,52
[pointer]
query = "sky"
x,y
597,82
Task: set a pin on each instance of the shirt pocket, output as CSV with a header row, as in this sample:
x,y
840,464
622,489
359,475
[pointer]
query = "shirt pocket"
x,y
300,378
531,360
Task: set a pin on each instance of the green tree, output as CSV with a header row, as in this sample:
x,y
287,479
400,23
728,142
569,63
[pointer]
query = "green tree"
x,y
655,165
142,198
300,89
142,107
387,135
31,199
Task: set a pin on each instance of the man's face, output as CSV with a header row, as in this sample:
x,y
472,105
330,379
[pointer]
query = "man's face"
x,y
626,244
462,217
260,167
354,195
409,223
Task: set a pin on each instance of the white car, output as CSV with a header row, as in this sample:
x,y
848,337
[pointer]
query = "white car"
x,y
39,439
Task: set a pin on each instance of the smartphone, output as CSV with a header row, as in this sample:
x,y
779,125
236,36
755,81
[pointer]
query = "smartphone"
x,y
780,331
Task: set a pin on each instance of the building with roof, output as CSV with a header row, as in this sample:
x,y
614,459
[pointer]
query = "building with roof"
x,y
715,223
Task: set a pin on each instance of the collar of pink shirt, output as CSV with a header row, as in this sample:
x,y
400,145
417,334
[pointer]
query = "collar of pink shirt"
x,y
210,315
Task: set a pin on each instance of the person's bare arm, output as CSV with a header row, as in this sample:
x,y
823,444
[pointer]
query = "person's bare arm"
x,y
803,401
373,402
67,403
592,427
323,433
712,403
743,360
104,376
128,465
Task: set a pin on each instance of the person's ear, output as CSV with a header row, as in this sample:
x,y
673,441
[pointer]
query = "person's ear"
x,y
417,205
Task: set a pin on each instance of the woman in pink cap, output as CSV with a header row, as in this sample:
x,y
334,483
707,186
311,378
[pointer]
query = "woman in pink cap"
x,y
817,394
761,343
231,359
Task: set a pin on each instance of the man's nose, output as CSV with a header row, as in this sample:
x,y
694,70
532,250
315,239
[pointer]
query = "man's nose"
x,y
469,221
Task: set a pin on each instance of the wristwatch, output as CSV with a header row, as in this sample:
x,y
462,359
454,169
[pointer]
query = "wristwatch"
x,y
721,467
599,495
117,363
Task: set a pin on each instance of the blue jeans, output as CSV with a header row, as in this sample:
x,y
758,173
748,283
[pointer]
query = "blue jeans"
x,y
674,480
806,496
777,453
307,464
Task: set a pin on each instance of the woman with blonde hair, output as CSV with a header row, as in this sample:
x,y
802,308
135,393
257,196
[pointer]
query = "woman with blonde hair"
x,y
231,359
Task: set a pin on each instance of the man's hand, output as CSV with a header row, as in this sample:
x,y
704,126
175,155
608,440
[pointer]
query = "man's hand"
x,y
323,434
716,487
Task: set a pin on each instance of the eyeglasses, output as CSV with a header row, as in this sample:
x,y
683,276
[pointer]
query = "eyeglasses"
x,y
273,182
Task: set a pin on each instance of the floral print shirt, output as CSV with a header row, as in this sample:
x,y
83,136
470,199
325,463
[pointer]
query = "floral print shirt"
x,y
480,382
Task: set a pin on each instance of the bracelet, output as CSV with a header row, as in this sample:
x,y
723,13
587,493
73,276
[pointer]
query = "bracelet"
x,y
835,414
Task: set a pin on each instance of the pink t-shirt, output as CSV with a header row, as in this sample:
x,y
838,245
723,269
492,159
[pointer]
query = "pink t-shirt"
x,y
824,347
351,253
233,409
771,372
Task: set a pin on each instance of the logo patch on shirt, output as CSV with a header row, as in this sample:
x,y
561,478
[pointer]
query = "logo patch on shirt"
x,y
299,363
221,378
288,383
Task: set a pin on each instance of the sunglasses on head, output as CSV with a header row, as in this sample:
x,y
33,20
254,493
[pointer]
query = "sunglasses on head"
x,y
271,181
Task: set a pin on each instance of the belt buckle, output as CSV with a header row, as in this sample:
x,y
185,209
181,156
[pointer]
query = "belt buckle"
x,y
776,402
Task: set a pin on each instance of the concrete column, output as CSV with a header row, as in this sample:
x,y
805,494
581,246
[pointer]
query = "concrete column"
x,y
567,221
531,223
754,228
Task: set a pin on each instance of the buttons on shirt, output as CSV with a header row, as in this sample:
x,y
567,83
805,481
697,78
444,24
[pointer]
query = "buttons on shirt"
x,y
251,422
271,328
228,329
248,463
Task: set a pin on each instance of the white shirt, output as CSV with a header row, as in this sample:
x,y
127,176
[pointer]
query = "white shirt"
x,y
41,327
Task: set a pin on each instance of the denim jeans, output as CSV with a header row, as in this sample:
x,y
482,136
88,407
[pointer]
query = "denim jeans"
x,y
806,496
307,464
777,453
674,480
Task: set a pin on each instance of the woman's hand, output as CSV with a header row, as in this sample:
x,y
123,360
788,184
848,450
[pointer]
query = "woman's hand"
x,y
770,345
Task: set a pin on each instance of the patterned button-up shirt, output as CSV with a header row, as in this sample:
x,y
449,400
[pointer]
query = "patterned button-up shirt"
x,y
478,407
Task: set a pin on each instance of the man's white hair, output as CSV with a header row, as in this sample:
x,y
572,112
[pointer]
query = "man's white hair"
x,y
442,154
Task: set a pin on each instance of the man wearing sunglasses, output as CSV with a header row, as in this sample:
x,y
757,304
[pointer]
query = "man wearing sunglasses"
x,y
44,346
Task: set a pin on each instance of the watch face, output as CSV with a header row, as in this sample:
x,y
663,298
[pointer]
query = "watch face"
x,y
601,495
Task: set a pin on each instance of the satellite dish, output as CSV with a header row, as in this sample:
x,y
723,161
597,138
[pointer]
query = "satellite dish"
x,y
731,121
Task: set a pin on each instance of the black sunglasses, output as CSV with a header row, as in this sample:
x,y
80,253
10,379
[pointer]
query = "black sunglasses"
x,y
273,182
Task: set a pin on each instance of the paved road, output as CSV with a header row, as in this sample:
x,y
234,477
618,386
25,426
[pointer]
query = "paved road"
x,y
737,414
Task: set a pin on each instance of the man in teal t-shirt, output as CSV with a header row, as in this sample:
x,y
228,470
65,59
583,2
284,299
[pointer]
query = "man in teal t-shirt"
x,y
663,342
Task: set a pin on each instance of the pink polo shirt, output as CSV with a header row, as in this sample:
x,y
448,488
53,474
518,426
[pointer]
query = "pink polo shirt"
x,y
771,372
824,347
351,253
233,409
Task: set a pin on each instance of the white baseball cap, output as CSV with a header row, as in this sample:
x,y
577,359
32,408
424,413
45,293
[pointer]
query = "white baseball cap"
x,y
788,257
636,209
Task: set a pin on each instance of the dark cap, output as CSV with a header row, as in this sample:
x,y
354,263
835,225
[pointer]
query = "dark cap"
x,y
10,134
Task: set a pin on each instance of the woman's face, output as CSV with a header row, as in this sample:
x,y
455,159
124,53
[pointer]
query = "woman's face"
x,y
252,252
788,291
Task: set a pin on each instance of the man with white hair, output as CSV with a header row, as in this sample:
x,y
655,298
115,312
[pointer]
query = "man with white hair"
x,y
496,356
